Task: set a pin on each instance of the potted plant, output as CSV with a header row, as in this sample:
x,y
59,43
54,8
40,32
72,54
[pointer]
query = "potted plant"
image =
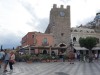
x,y
28,58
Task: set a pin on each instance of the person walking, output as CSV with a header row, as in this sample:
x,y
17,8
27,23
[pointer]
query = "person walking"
x,y
71,57
96,56
11,61
1,57
61,56
6,60
78,55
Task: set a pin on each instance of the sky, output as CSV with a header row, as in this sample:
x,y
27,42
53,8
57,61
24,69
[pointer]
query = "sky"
x,y
18,17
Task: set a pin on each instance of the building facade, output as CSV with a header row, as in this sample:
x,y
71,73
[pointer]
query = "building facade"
x,y
59,25
60,34
37,39
77,33
27,39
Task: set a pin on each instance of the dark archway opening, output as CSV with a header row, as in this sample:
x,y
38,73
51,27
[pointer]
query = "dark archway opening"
x,y
74,50
53,53
44,52
62,50
74,39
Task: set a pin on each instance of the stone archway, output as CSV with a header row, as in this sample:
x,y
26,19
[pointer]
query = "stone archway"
x,y
53,53
62,50
44,51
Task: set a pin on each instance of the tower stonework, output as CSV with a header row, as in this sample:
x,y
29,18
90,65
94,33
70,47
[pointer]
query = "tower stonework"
x,y
59,25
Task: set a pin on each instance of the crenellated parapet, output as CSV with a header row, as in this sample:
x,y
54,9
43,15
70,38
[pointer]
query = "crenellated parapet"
x,y
61,6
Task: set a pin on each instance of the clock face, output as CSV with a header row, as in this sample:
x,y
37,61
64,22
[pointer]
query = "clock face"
x,y
62,13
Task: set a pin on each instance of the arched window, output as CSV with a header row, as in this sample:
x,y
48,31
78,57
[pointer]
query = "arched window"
x,y
75,31
74,39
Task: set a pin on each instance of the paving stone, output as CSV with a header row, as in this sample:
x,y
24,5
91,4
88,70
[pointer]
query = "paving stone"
x,y
55,68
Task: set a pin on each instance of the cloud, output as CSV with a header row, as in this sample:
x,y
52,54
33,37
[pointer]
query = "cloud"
x,y
18,17
42,24
13,19
9,40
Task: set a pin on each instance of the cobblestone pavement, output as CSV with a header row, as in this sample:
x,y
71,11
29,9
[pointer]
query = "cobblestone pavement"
x,y
55,68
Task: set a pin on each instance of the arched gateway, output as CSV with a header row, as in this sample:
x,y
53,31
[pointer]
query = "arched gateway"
x,y
62,49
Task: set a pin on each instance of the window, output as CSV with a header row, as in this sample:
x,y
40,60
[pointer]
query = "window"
x,y
80,30
92,31
62,34
74,39
71,30
45,42
32,36
75,30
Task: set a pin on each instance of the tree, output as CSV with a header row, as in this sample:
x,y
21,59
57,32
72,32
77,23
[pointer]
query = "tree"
x,y
89,43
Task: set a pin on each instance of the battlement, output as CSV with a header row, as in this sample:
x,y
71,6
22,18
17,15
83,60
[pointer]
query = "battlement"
x,y
54,5
61,6
68,7
98,13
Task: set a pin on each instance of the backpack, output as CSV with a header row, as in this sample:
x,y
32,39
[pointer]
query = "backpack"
x,y
3,57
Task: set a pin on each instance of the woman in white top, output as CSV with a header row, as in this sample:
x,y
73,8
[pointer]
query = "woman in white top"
x,y
12,60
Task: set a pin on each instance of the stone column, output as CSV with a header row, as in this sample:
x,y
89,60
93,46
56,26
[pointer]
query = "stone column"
x,y
29,50
84,51
50,50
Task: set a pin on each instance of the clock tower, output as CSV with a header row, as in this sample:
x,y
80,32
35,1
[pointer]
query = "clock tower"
x,y
59,25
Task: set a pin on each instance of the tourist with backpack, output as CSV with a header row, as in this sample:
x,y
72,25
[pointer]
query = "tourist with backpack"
x,y
6,60
1,57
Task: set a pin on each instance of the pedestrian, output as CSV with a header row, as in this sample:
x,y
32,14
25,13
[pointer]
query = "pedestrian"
x,y
6,60
78,55
61,56
71,57
1,57
12,60
84,57
91,58
96,56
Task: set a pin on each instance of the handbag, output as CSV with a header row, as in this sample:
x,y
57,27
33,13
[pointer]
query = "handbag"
x,y
12,61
